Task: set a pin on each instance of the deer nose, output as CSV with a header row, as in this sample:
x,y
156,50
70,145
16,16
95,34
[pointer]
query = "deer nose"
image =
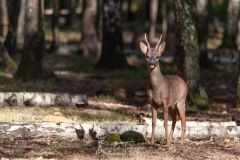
x,y
151,64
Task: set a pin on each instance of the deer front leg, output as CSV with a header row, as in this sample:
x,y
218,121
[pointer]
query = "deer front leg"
x,y
154,121
165,115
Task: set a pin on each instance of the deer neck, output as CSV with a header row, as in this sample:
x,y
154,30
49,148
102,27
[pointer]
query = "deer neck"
x,y
156,77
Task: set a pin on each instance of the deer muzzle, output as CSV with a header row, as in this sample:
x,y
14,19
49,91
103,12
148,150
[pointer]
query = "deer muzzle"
x,y
151,64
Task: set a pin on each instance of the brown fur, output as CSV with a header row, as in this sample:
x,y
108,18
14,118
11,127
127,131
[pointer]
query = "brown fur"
x,y
167,92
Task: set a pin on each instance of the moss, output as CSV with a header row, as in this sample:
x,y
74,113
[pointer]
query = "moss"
x,y
201,98
112,138
136,137
11,65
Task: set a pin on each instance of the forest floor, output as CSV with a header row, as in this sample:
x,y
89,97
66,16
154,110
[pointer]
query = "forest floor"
x,y
75,74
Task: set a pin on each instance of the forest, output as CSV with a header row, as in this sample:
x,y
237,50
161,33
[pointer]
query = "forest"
x,y
79,79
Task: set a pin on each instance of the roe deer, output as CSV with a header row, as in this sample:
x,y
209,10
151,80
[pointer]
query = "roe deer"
x,y
164,91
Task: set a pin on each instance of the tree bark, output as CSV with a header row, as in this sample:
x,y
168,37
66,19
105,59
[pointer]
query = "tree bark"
x,y
89,34
13,13
230,29
30,66
187,49
55,27
112,44
194,130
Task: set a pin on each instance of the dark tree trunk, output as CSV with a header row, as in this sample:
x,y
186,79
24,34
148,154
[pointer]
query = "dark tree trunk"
x,y
237,101
112,47
55,27
71,13
30,66
89,33
230,29
187,49
202,12
13,13
153,17
129,11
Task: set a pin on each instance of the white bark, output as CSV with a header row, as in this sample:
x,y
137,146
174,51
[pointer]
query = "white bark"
x,y
194,130
40,99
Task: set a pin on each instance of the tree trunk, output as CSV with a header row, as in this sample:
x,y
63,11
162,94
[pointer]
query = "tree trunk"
x,y
112,46
30,66
41,99
194,130
4,16
55,27
13,13
202,12
230,29
153,17
89,33
187,49
129,11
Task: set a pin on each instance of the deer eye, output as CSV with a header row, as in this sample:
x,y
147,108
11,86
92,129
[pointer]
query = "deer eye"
x,y
147,57
157,57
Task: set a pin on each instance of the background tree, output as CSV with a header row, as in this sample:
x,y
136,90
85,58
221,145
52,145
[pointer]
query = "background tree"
x,y
30,66
230,28
13,13
4,16
202,10
55,27
89,34
112,43
187,49
153,17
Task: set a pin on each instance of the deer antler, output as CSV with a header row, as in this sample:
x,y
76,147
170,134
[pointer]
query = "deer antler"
x,y
158,42
147,41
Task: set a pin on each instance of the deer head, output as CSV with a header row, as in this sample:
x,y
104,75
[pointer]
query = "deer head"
x,y
152,54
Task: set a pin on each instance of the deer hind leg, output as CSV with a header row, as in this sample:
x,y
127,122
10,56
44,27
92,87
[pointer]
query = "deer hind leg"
x,y
165,116
154,121
174,117
181,111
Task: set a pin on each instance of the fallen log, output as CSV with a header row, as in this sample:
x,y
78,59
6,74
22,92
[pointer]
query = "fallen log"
x,y
123,108
194,130
41,99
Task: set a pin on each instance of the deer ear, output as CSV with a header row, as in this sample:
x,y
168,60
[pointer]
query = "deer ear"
x,y
143,48
161,48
